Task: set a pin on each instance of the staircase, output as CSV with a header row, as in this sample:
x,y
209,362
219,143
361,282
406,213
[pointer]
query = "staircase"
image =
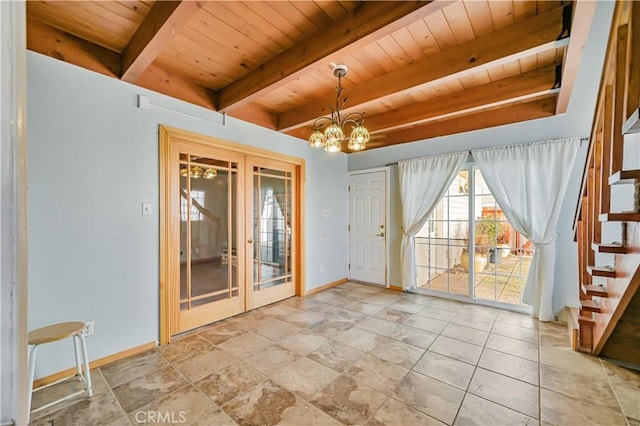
x,y
607,222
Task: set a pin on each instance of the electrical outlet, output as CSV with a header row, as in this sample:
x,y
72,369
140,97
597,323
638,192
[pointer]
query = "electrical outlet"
x,y
88,329
322,269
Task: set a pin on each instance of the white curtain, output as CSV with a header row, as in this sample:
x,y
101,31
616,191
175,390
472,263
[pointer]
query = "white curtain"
x,y
423,182
529,183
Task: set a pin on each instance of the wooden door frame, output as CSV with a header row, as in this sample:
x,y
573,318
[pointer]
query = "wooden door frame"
x,y
387,215
167,136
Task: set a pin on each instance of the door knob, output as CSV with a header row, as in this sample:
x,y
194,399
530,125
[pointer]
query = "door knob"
x,y
380,234
250,240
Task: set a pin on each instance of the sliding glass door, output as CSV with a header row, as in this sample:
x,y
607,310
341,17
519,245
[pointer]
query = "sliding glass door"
x,y
506,254
442,243
468,249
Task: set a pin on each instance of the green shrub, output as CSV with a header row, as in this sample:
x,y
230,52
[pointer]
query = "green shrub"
x,y
487,231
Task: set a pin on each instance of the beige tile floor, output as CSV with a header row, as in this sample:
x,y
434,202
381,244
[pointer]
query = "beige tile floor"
x,y
358,354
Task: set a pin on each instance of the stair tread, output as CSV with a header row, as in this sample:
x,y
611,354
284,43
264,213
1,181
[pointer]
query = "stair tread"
x,y
590,306
602,271
609,248
625,177
595,290
603,268
619,217
584,319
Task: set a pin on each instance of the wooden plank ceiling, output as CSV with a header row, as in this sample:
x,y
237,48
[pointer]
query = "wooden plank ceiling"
x,y
416,69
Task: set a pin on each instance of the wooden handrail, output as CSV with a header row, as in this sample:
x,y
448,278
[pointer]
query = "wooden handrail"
x,y
604,319
620,15
214,218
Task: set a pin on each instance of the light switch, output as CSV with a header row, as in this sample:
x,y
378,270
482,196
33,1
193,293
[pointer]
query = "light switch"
x,y
146,208
143,102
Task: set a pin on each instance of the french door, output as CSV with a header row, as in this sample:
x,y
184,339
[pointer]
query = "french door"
x,y
271,241
209,194
229,230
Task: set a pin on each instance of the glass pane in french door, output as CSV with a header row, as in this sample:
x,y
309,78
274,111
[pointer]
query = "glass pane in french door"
x,y
442,258
271,228
506,254
208,236
185,270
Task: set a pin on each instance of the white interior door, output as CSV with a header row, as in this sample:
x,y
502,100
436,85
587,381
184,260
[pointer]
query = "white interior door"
x,y
367,227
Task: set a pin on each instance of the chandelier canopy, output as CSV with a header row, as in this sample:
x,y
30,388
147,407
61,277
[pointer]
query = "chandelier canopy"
x,y
334,132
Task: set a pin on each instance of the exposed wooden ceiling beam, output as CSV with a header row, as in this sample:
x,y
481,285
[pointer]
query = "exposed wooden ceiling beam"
x,y
508,90
164,20
50,41
506,114
363,25
532,84
583,15
162,81
534,35
254,114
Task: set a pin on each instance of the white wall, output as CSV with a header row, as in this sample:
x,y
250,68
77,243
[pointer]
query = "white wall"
x,y
93,158
576,122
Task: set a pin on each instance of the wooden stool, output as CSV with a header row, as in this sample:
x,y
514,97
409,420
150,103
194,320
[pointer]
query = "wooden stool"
x,y
53,333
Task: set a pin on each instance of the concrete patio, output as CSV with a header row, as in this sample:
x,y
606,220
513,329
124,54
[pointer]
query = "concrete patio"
x,y
502,282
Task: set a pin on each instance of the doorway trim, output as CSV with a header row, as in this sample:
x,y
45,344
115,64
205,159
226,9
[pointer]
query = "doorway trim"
x,y
169,135
387,215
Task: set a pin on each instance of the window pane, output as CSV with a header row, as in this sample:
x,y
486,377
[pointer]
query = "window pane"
x,y
272,228
211,257
207,251
505,262
184,242
443,239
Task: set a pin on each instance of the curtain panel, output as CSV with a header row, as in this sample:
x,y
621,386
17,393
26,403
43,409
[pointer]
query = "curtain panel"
x,y
423,182
529,183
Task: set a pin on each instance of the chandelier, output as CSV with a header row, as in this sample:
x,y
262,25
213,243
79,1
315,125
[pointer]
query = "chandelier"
x,y
334,133
197,173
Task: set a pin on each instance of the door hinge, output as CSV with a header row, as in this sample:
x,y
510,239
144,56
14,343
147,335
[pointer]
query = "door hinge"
x,y
349,266
349,188
348,227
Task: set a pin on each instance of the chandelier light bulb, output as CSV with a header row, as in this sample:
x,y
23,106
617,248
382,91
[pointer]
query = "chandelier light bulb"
x,y
316,140
332,145
196,172
360,135
354,144
333,133
210,173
